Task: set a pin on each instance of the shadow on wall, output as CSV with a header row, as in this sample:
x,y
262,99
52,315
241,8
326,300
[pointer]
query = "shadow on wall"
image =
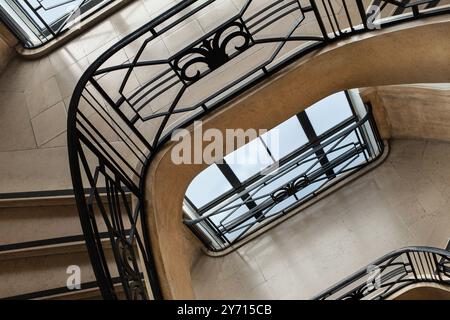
x,y
7,43
411,111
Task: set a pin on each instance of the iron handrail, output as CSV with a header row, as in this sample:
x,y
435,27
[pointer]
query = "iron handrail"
x,y
391,273
96,163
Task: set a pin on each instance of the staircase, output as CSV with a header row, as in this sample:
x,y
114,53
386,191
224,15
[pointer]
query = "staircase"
x,y
142,98
40,238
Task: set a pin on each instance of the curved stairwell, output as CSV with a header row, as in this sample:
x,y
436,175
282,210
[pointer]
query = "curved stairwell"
x,y
116,100
286,91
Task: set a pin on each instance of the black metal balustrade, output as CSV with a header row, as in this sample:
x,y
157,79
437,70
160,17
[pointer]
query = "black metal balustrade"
x,y
392,273
162,77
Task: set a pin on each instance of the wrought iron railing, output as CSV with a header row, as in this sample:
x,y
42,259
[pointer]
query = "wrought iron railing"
x,y
298,177
392,273
172,71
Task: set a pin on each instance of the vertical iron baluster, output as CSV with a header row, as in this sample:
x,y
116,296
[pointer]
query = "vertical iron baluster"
x,y
408,254
319,19
329,18
347,13
438,270
362,12
340,31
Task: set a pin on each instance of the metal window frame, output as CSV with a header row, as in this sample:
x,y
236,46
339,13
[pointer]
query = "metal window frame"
x,y
239,189
313,140
43,30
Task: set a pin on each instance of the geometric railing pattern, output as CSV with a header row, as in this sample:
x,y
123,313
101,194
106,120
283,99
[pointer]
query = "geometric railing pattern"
x,y
175,69
40,8
392,273
300,176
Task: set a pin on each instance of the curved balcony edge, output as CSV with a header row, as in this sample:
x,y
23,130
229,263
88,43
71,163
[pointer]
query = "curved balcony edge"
x,y
165,247
292,90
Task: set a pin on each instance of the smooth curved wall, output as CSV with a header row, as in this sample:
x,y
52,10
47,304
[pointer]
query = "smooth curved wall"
x,y
417,52
427,291
411,112
7,43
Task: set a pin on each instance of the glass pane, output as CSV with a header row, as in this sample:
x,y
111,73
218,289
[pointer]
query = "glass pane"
x,y
248,160
329,112
344,146
277,181
231,211
313,187
28,18
51,11
280,206
351,163
207,186
285,138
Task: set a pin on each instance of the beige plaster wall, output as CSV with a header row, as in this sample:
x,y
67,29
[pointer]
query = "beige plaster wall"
x,y
43,267
411,111
7,43
418,52
424,292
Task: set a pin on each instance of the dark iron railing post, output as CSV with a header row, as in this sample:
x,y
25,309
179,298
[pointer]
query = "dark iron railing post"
x,y
319,20
41,19
362,13
104,283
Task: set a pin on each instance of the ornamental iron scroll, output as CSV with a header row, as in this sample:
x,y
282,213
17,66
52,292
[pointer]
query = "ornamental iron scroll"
x,y
129,270
214,52
290,189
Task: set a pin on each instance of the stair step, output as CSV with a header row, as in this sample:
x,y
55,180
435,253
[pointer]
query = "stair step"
x,y
34,274
45,248
39,219
42,198
40,237
89,291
